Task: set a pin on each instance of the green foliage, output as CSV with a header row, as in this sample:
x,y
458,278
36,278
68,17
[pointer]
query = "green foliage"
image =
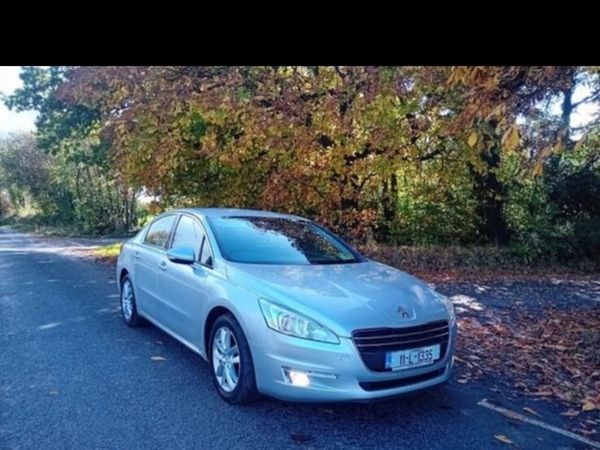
x,y
531,217
145,213
574,188
435,207
74,178
557,215
25,175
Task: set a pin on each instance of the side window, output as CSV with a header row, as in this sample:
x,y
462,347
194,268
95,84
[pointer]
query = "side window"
x,y
158,233
206,257
188,234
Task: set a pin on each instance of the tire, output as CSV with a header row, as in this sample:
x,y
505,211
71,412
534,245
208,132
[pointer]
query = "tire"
x,y
244,391
129,312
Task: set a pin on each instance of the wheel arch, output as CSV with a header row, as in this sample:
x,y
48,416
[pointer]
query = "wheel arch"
x,y
213,315
122,275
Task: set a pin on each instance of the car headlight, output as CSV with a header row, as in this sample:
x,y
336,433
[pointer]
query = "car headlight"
x,y
295,324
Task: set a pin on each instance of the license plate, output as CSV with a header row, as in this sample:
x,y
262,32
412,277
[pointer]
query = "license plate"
x,y
415,357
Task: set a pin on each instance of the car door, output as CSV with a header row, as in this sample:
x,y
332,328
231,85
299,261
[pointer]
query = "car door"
x,y
183,288
147,257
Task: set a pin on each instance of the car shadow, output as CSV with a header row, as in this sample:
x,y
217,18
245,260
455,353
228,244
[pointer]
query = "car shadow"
x,y
442,398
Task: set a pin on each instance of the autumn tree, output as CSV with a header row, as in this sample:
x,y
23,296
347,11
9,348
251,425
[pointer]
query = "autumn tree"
x,y
89,191
323,141
401,154
24,170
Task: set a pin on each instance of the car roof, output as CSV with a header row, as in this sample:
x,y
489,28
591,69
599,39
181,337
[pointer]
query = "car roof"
x,y
236,212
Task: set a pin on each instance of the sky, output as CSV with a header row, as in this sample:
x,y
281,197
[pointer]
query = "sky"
x,y
585,112
11,120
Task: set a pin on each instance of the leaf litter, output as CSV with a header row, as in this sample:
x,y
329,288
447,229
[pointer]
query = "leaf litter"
x,y
553,355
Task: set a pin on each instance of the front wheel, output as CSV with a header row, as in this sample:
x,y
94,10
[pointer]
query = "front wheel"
x,y
231,362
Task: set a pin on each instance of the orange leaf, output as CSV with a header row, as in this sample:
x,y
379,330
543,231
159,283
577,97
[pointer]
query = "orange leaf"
x,y
504,439
472,141
510,140
589,405
531,411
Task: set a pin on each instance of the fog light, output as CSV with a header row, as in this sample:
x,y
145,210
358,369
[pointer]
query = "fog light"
x,y
304,378
299,378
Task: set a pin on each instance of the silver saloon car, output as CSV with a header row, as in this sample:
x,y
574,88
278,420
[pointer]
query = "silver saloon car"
x,y
280,306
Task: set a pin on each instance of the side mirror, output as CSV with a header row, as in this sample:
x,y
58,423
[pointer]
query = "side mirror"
x,y
182,255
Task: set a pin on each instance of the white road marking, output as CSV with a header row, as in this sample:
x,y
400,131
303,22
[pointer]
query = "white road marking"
x,y
514,415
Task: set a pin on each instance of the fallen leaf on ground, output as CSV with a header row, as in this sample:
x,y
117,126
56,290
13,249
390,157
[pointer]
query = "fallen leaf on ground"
x,y
584,432
531,411
504,439
511,415
561,348
550,355
589,405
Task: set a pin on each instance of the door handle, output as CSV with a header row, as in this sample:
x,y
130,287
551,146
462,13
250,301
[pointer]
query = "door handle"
x,y
136,255
163,265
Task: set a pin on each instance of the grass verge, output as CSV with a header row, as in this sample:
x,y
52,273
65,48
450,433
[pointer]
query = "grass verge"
x,y
108,253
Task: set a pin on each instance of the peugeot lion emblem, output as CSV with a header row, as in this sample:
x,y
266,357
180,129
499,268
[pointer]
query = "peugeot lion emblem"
x,y
403,313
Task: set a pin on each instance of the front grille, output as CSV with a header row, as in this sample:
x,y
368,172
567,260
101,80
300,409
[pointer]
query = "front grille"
x,y
374,343
390,384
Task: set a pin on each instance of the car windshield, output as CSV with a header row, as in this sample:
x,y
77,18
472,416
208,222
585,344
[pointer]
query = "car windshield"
x,y
278,240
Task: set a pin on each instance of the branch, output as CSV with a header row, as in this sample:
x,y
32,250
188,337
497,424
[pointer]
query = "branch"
x,y
587,126
368,150
432,154
591,97
339,72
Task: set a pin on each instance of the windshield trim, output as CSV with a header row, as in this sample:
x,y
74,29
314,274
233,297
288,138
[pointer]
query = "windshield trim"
x,y
358,258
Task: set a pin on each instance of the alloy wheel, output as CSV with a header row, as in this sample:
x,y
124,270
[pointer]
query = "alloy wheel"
x,y
127,300
226,359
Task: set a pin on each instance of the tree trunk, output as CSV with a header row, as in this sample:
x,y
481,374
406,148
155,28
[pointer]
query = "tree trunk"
x,y
490,194
564,132
389,207
390,197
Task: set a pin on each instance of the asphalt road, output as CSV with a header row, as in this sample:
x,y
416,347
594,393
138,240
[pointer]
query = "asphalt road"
x,y
72,375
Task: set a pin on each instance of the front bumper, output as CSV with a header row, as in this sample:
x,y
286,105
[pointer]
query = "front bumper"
x,y
337,372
